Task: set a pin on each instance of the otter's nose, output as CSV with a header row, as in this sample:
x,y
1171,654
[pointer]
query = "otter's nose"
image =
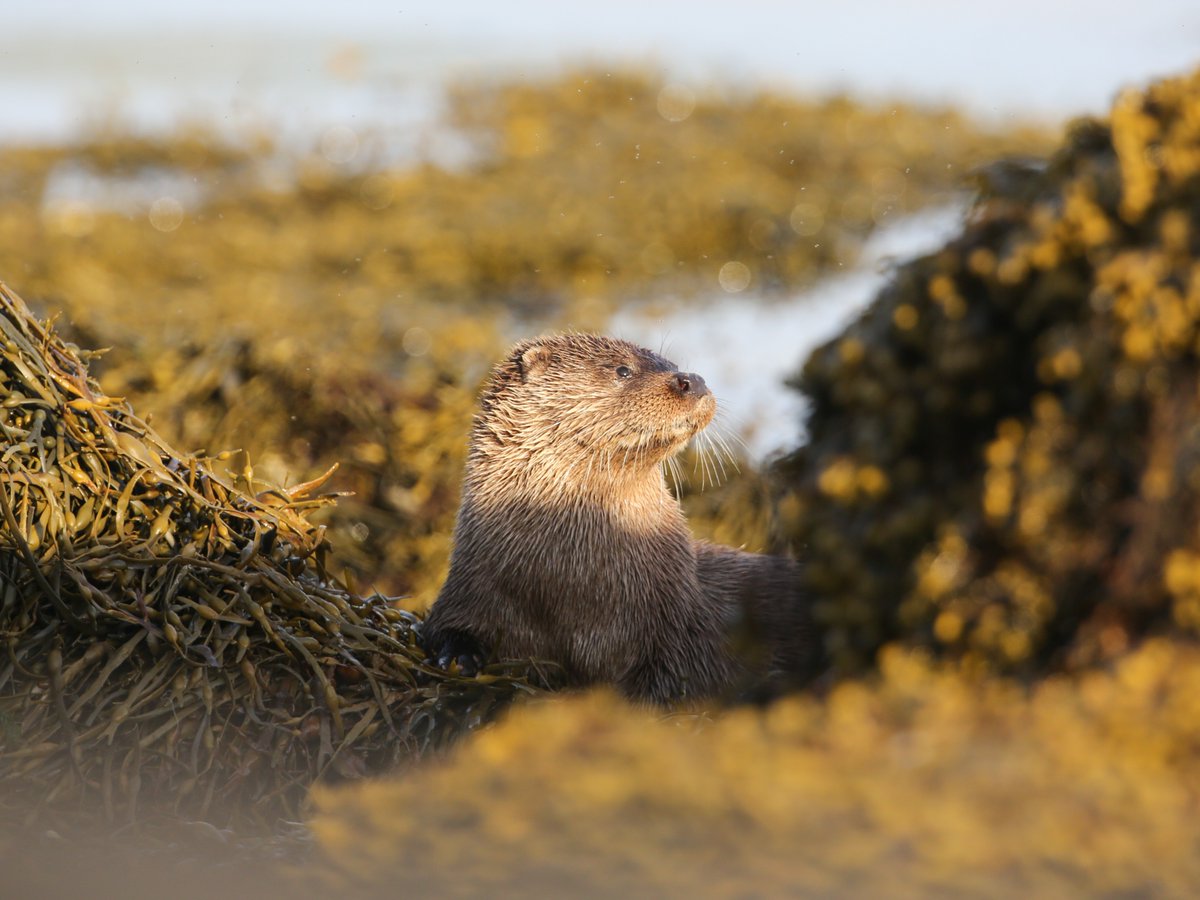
x,y
689,384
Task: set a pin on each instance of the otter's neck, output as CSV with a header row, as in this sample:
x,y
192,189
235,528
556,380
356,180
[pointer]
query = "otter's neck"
x,y
544,479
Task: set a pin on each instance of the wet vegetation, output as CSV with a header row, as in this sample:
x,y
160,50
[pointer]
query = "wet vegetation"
x,y
997,506
171,631
1003,465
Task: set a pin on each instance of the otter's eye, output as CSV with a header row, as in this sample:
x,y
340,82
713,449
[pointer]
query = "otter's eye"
x,y
624,372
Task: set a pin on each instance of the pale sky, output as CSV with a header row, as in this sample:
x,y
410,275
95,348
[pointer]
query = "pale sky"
x,y
1051,58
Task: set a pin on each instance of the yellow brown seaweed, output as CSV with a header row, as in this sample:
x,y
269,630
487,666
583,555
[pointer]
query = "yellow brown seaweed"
x,y
170,634
1028,394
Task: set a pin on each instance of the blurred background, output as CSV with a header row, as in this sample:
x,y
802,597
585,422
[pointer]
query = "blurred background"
x,y
305,234
365,88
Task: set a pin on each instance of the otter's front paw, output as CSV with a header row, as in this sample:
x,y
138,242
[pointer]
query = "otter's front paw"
x,y
449,649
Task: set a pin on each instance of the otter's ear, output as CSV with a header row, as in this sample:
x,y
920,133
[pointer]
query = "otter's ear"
x,y
533,360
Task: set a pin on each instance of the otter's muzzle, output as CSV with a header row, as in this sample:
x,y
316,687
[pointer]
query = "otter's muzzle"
x,y
689,384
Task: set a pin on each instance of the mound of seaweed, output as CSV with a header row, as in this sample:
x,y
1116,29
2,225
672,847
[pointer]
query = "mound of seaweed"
x,y
1004,456
169,630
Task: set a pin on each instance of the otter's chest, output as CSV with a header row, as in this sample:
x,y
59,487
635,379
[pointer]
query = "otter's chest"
x,y
594,594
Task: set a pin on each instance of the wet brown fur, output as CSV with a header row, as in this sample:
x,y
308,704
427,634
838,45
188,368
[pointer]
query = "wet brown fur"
x,y
570,547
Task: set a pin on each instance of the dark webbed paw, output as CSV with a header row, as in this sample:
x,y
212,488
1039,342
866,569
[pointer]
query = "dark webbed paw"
x,y
450,649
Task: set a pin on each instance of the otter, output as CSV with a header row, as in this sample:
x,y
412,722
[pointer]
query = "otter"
x,y
569,546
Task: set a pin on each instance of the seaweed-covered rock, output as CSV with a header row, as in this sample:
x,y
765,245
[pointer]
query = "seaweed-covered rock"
x,y
169,629
1004,456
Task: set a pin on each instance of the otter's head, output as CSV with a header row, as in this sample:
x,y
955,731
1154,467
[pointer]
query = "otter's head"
x,y
580,395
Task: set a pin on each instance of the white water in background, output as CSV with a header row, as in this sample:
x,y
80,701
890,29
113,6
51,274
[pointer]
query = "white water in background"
x,y
307,64
746,348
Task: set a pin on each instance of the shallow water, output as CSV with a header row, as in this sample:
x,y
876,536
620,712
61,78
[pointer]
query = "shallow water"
x,y
745,347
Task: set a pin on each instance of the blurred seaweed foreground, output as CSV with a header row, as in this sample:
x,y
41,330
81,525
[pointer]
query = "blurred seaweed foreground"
x,y
1004,463
921,783
170,635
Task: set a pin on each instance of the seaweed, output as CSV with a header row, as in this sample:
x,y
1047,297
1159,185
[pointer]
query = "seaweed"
x,y
1003,464
171,637
915,781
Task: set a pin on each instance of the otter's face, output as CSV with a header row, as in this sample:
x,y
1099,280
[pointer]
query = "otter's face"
x,y
597,394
